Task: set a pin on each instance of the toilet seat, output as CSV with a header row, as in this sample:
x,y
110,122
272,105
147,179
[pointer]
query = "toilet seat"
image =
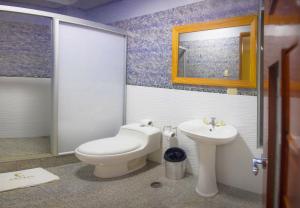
x,y
109,146
122,154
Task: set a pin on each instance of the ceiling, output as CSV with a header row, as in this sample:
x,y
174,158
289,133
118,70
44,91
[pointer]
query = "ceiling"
x,y
56,4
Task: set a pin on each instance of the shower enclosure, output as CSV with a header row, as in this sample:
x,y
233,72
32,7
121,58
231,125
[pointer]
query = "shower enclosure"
x,y
62,82
26,69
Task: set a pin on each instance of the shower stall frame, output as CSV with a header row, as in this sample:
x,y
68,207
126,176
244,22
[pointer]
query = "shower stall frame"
x,y
56,19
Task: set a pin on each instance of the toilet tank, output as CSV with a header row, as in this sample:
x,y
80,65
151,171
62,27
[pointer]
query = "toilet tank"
x,y
150,134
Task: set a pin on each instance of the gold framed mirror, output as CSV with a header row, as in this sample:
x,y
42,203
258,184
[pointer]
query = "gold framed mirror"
x,y
218,53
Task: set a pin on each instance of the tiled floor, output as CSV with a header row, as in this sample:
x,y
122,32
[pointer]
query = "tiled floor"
x,y
20,147
78,188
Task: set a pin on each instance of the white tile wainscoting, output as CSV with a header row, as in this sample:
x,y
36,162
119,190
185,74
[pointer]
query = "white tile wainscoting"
x,y
25,107
171,107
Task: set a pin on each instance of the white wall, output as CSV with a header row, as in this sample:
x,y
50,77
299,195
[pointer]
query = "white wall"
x,y
25,107
126,9
171,107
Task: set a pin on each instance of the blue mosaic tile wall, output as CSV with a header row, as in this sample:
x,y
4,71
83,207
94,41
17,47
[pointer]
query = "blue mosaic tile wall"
x,y
150,40
210,58
25,49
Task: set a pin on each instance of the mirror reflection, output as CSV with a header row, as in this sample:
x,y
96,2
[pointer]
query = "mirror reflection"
x,y
219,53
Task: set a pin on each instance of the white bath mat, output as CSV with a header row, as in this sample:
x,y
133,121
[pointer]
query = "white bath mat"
x,y
25,178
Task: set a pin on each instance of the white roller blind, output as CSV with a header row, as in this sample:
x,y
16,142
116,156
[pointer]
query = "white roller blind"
x,y
91,76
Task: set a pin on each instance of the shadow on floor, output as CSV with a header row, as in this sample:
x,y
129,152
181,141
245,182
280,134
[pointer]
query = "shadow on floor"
x,y
87,173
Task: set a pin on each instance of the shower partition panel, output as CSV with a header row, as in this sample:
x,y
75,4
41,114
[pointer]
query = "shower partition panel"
x,y
89,79
91,84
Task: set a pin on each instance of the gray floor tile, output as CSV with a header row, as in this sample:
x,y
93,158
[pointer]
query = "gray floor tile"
x,y
21,147
78,188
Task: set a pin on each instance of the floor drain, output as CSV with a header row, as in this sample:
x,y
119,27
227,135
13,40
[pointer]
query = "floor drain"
x,y
156,184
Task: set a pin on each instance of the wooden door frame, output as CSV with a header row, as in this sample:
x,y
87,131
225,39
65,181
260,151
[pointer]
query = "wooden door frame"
x,y
270,174
285,92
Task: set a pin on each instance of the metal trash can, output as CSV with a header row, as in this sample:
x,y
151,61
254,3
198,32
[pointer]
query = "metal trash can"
x,y
175,159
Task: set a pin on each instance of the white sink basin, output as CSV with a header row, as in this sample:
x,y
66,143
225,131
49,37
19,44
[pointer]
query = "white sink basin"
x,y
201,132
206,138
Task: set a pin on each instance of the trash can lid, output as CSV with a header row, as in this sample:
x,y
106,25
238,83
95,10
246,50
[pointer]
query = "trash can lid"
x,y
175,154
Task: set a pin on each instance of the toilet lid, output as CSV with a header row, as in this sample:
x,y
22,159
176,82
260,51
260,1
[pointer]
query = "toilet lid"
x,y
109,146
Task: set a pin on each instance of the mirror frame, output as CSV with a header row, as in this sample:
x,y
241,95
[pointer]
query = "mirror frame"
x,y
221,23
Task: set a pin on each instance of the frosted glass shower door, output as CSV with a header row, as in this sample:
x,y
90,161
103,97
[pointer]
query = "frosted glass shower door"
x,y
91,82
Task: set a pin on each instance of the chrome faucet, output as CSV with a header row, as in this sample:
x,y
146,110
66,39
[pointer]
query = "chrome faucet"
x,y
213,122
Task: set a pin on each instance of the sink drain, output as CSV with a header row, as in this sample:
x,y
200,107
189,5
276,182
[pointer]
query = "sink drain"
x,y
156,184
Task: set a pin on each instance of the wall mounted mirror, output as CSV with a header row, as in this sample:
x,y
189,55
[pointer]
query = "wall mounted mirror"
x,y
217,53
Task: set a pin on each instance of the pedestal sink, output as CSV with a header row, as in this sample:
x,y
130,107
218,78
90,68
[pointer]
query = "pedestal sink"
x,y
207,137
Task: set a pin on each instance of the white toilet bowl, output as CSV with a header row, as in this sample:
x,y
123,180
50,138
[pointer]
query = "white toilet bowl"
x,y
122,154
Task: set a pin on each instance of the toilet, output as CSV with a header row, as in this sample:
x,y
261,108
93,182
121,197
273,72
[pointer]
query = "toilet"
x,y
122,154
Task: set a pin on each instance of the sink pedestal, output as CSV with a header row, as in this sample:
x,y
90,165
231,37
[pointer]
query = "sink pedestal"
x,y
207,184
207,137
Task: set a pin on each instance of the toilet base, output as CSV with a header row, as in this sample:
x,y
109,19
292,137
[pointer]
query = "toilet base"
x,y
119,169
